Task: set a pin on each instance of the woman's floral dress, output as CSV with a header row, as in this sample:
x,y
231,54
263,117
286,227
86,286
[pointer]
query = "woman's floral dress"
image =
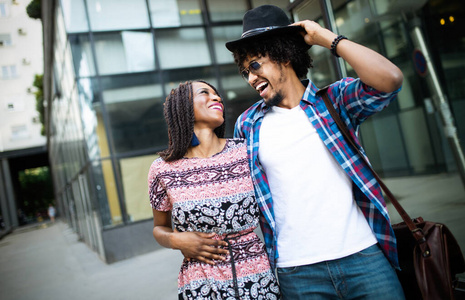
x,y
216,195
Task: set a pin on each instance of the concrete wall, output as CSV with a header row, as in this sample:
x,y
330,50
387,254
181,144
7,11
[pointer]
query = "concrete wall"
x,y
127,241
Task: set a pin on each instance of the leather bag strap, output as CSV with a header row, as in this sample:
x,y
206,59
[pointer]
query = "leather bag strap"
x,y
416,231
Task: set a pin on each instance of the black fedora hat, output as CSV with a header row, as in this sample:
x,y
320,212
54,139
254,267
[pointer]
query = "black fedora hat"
x,y
265,20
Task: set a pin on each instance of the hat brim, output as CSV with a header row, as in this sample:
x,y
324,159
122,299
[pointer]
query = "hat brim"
x,y
232,45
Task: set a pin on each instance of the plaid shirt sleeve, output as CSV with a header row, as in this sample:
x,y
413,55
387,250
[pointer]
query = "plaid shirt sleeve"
x,y
248,126
359,100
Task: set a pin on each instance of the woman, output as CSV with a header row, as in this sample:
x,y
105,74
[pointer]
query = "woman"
x,y
202,184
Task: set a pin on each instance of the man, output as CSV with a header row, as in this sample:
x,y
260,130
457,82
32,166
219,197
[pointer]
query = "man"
x,y
324,219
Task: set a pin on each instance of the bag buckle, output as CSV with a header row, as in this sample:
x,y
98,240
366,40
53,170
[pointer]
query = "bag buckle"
x,y
425,252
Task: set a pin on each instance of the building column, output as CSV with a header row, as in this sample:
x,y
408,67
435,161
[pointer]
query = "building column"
x,y
4,202
8,200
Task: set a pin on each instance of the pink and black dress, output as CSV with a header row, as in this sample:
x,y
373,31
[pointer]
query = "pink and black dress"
x,y
216,195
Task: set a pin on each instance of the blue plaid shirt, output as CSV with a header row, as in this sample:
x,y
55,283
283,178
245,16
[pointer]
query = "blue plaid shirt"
x,y
355,102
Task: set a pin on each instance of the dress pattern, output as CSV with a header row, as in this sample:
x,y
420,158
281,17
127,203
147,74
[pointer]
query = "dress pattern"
x,y
216,195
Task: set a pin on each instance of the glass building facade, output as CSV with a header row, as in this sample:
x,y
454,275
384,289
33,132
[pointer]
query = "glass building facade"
x,y
115,62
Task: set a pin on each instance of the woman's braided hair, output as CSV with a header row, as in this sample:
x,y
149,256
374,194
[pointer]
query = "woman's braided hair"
x,y
179,117
281,48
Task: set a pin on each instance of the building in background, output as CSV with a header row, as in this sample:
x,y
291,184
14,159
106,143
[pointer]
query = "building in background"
x,y
22,146
109,66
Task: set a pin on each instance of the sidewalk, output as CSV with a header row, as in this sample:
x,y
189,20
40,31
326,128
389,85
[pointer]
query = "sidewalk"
x,y
439,198
48,262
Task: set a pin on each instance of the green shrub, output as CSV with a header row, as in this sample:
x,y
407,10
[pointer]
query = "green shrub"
x,y
34,9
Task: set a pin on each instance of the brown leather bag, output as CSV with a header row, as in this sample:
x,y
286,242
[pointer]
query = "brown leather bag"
x,y
429,256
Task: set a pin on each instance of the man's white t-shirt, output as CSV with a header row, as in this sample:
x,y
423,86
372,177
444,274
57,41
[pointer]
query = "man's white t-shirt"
x,y
316,216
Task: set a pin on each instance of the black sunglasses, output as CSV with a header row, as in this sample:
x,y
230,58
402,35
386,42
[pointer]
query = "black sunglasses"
x,y
253,67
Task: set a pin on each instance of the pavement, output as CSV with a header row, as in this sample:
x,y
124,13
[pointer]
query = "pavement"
x,y
47,261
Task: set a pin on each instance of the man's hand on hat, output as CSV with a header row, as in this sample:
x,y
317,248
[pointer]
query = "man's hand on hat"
x,y
315,34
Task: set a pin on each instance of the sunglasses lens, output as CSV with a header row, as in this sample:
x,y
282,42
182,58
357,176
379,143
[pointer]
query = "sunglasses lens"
x,y
254,66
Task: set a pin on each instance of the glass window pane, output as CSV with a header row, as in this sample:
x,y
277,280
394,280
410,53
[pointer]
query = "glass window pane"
x,y
60,34
135,109
80,145
105,190
221,35
382,140
226,10
68,77
279,3
310,10
353,20
117,14
74,15
174,13
124,52
134,179
82,55
183,48
60,42
323,71
91,115
174,77
4,10
5,39
417,140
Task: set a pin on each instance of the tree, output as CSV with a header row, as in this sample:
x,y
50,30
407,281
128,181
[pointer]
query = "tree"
x,y
36,191
39,93
34,9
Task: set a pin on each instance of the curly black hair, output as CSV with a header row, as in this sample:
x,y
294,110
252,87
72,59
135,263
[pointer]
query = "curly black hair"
x,y
179,117
280,48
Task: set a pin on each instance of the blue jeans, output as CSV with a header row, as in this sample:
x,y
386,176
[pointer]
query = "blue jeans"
x,y
364,275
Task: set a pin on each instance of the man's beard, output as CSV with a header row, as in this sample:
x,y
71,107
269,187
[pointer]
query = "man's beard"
x,y
275,100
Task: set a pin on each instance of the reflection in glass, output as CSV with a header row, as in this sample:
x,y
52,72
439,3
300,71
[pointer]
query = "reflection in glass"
x,y
323,71
355,20
417,141
91,115
135,109
173,77
384,146
81,142
68,79
174,13
74,15
59,44
60,34
112,195
117,14
279,3
226,10
173,52
82,55
221,35
134,180
101,194
310,10
124,52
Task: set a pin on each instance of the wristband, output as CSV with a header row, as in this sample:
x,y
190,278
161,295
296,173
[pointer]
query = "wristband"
x,y
334,44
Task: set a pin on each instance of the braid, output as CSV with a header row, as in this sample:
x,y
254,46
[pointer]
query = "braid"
x,y
179,116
